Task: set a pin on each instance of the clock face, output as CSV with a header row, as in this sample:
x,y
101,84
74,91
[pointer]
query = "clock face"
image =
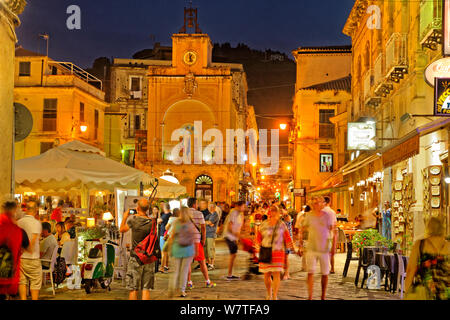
x,y
190,58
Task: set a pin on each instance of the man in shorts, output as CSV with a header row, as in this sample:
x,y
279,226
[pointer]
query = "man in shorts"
x,y
30,263
139,277
211,221
333,247
320,225
232,231
199,242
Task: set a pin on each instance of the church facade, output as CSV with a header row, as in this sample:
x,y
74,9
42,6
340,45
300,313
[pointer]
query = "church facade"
x,y
177,94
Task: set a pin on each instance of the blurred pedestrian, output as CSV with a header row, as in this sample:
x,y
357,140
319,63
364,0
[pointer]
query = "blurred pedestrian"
x,y
302,234
328,209
211,222
287,219
12,240
427,274
162,223
57,212
139,277
231,232
200,241
182,250
30,263
319,225
273,238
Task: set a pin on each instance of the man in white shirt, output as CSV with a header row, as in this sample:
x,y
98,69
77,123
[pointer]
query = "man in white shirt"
x,y
47,245
232,232
328,209
319,224
30,263
200,239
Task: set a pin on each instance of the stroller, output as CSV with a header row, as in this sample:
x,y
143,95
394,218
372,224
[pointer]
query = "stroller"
x,y
253,262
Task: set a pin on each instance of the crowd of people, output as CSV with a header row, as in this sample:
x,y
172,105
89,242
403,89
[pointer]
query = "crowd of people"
x,y
266,230
187,239
27,243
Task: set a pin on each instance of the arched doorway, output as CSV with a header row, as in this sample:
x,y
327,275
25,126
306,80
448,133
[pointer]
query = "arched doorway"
x,y
204,187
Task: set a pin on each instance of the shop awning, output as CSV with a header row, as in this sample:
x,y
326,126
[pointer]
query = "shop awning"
x,y
342,186
409,145
359,163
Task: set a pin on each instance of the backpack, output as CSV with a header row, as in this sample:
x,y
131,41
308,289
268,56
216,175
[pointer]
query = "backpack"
x,y
59,273
148,250
185,237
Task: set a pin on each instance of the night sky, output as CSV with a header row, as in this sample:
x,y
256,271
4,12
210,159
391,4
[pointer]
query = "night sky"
x,y
114,28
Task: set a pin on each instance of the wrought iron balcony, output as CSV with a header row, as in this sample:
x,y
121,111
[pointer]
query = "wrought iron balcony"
x,y
369,98
397,57
430,24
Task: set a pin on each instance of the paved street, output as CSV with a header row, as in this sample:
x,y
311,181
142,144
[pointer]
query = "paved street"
x,y
294,289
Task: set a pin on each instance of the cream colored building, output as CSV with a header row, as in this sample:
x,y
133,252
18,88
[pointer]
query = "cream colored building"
x,y
9,20
388,87
321,101
63,99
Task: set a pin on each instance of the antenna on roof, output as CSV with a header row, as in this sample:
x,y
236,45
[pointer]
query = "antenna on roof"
x,y
45,36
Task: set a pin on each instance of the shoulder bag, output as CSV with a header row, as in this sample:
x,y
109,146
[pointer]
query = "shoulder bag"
x,y
265,253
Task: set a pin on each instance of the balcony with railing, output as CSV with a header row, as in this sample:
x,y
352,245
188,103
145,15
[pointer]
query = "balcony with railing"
x,y
369,98
69,75
382,87
397,57
430,33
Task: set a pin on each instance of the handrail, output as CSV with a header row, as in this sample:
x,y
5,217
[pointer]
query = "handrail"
x,y
78,71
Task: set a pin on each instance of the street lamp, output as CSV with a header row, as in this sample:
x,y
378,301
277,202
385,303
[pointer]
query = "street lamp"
x,y
83,128
283,126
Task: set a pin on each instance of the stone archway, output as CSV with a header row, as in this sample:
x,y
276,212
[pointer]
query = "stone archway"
x,y
191,111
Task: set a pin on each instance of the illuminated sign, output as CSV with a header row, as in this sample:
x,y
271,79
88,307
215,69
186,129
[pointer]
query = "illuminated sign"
x,y
361,136
446,29
438,69
442,97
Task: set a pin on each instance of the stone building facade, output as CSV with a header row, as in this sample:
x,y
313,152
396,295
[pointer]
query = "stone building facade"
x,y
9,11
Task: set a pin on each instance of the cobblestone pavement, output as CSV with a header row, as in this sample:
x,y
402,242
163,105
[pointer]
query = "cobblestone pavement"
x,y
254,289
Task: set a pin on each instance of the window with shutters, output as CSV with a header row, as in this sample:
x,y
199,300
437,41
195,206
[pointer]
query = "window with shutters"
x,y
24,69
135,84
326,128
49,115
81,112
137,122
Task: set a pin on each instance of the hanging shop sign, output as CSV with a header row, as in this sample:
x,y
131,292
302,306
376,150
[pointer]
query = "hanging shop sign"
x,y
361,136
446,28
401,152
438,69
442,97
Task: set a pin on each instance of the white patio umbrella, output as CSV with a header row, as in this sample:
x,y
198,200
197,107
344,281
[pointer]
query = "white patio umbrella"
x,y
78,166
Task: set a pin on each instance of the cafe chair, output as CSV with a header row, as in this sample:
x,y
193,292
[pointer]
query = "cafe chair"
x,y
349,258
51,268
367,258
401,274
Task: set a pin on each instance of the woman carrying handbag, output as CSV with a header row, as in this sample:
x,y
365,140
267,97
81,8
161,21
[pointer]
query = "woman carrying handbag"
x,y
272,240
